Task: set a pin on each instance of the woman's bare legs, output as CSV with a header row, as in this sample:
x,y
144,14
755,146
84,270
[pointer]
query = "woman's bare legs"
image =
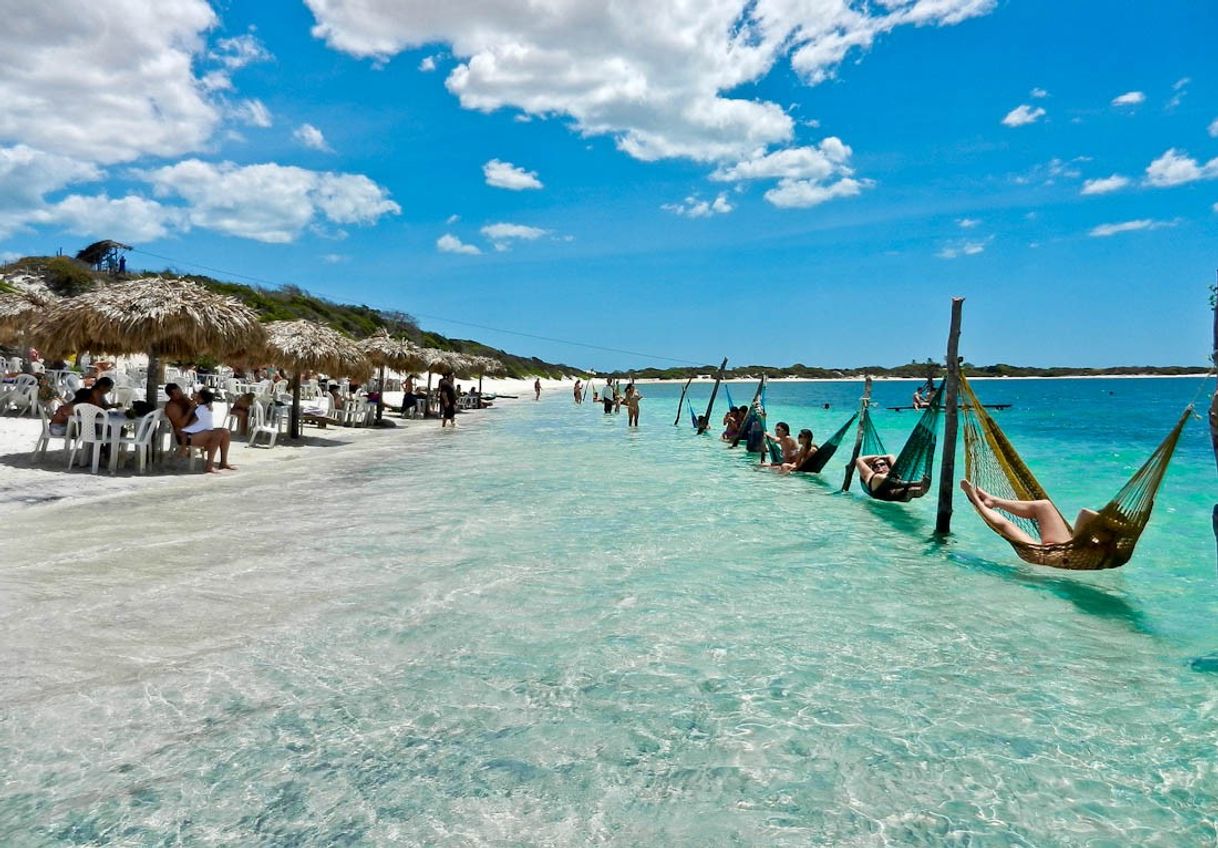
x,y
1002,525
1053,528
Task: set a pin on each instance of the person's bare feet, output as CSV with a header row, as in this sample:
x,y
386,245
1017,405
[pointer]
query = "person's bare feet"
x,y
208,469
227,467
985,497
970,490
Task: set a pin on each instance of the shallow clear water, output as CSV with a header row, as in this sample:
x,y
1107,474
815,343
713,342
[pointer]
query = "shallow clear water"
x,y
546,630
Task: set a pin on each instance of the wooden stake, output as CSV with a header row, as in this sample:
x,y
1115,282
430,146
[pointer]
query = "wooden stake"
x,y
711,405
1214,408
294,417
947,468
858,435
153,381
681,402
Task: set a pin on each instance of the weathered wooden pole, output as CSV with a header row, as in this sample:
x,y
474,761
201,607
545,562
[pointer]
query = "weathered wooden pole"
x,y
947,468
710,406
858,435
294,415
681,403
1214,402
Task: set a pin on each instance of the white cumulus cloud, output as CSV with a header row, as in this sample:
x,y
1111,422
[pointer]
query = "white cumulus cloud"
x,y
1022,115
800,194
506,175
503,234
1103,185
696,207
658,76
1106,230
427,64
963,248
448,243
1213,128
252,112
268,202
1176,167
1038,93
132,218
106,82
311,136
1129,98
968,223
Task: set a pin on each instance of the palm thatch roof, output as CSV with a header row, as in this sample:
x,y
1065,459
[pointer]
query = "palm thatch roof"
x,y
166,318
384,351
308,346
444,361
489,366
18,311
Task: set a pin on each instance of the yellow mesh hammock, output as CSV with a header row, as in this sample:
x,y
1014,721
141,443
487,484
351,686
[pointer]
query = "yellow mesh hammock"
x,y
991,462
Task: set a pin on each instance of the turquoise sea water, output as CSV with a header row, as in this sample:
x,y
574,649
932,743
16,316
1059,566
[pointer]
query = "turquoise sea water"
x,y
546,630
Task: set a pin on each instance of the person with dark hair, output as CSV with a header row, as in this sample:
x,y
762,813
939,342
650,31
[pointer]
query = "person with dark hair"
x,y
631,400
101,388
537,389
448,401
195,427
59,421
782,435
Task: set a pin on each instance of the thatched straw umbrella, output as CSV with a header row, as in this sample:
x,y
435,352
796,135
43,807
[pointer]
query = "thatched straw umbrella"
x,y
306,346
163,318
18,311
488,365
384,351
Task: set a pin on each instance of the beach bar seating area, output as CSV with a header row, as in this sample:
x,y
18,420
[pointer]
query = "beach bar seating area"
x,y
115,379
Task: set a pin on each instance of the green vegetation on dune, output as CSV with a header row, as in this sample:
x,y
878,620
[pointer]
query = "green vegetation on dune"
x,y
65,276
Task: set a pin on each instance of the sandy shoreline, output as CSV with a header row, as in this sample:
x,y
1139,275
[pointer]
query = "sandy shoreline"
x,y
27,487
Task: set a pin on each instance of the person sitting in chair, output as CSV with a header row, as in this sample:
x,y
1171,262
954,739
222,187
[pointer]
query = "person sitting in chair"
x,y
194,426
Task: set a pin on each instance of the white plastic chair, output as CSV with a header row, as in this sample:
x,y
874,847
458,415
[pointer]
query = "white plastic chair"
x,y
24,395
266,421
92,428
44,440
141,441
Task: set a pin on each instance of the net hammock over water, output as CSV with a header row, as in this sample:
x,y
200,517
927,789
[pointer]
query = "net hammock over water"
x,y
910,475
820,457
1107,541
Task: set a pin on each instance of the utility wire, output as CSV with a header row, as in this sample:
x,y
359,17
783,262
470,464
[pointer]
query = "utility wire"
x,y
434,317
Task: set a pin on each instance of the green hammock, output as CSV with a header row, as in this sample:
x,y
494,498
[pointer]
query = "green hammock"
x,y
820,457
775,451
1108,540
910,475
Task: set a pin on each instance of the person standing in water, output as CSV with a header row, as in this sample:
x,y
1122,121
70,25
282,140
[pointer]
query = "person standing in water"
x,y
579,390
607,396
537,389
632,405
448,401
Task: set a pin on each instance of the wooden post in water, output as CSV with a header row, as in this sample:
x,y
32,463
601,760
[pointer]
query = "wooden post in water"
x,y
711,405
743,433
858,436
947,468
1214,403
681,403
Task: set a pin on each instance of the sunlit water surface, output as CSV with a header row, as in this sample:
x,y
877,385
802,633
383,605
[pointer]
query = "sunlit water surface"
x,y
546,630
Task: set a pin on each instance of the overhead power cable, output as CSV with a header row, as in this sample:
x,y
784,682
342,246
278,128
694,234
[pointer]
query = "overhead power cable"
x,y
431,317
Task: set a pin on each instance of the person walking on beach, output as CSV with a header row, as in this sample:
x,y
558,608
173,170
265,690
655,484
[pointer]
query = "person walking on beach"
x,y
448,401
631,400
537,389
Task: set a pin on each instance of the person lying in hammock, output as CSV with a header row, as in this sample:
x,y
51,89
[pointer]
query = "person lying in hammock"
x,y
805,448
874,470
788,445
1053,528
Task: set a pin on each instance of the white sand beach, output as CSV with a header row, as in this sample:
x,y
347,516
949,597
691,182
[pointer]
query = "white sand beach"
x,y
25,482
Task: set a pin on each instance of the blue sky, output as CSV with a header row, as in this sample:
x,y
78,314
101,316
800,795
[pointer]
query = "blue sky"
x,y
774,184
